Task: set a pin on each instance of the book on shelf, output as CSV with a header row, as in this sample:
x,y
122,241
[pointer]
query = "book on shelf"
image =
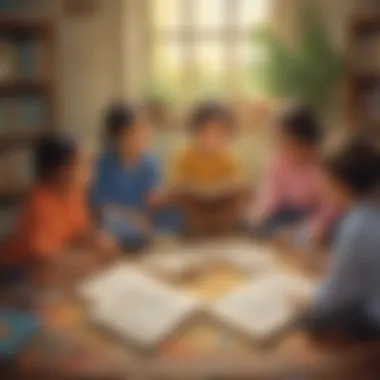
x,y
367,7
7,114
22,114
366,54
140,310
8,61
31,60
8,220
9,5
31,112
16,172
262,308
362,51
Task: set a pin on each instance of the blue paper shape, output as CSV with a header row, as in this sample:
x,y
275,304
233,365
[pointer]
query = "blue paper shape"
x,y
9,5
16,331
27,59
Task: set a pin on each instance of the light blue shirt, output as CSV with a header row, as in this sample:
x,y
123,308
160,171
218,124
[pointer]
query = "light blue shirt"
x,y
354,276
121,185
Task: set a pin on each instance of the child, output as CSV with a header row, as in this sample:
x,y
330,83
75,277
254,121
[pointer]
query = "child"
x,y
348,300
126,180
54,215
291,192
207,178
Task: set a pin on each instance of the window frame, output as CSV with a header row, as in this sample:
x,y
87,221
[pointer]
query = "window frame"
x,y
189,35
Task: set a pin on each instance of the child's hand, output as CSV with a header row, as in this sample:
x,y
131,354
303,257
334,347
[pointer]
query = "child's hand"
x,y
104,242
299,302
255,217
141,222
316,233
156,200
113,210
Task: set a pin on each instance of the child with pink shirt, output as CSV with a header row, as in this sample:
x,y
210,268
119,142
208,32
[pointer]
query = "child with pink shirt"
x,y
291,193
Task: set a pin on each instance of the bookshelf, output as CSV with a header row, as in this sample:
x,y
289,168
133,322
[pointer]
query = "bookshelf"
x,y
27,96
364,68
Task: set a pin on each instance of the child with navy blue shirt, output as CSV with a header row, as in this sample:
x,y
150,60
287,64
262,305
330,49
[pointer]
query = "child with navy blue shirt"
x,y
348,299
124,191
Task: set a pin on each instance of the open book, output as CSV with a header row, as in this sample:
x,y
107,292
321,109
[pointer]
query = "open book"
x,y
176,264
262,308
138,309
247,257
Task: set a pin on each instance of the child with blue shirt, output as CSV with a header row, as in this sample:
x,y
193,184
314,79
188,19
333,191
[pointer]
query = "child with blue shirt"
x,y
347,302
124,191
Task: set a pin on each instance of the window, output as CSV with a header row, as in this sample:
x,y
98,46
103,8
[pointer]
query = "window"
x,y
200,47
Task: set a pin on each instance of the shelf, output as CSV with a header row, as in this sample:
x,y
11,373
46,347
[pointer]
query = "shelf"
x,y
8,198
366,75
24,86
10,140
21,25
366,23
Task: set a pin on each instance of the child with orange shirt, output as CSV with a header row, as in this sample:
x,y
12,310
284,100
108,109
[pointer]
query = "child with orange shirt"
x,y
54,216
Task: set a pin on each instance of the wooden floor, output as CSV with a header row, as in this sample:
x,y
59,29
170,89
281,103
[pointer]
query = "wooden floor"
x,y
197,350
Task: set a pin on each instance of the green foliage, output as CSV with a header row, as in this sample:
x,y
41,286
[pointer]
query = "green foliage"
x,y
309,71
157,93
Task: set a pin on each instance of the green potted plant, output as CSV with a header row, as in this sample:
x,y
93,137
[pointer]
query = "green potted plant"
x,y
309,71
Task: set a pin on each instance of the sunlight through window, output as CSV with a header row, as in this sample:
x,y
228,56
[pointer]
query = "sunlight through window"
x,y
203,45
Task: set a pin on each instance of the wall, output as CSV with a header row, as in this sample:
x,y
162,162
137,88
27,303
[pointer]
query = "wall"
x,y
335,12
98,55
89,63
90,66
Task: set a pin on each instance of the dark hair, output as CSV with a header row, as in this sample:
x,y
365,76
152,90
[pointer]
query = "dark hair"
x,y
212,111
119,117
51,153
301,124
356,163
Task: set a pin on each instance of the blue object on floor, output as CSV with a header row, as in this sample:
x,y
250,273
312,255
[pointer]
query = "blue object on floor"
x,y
168,220
16,331
123,231
9,5
280,219
13,276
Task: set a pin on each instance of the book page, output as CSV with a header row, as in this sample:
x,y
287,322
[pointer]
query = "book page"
x,y
262,308
142,310
104,283
176,263
249,257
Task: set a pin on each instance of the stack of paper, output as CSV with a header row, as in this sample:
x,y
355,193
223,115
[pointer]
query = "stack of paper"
x,y
137,308
262,308
103,286
177,264
250,258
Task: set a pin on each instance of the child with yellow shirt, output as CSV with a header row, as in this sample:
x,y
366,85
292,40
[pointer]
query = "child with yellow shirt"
x,y
207,178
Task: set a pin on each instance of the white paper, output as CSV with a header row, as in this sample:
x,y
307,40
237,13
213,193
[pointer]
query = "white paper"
x,y
176,263
136,307
105,283
250,258
262,308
